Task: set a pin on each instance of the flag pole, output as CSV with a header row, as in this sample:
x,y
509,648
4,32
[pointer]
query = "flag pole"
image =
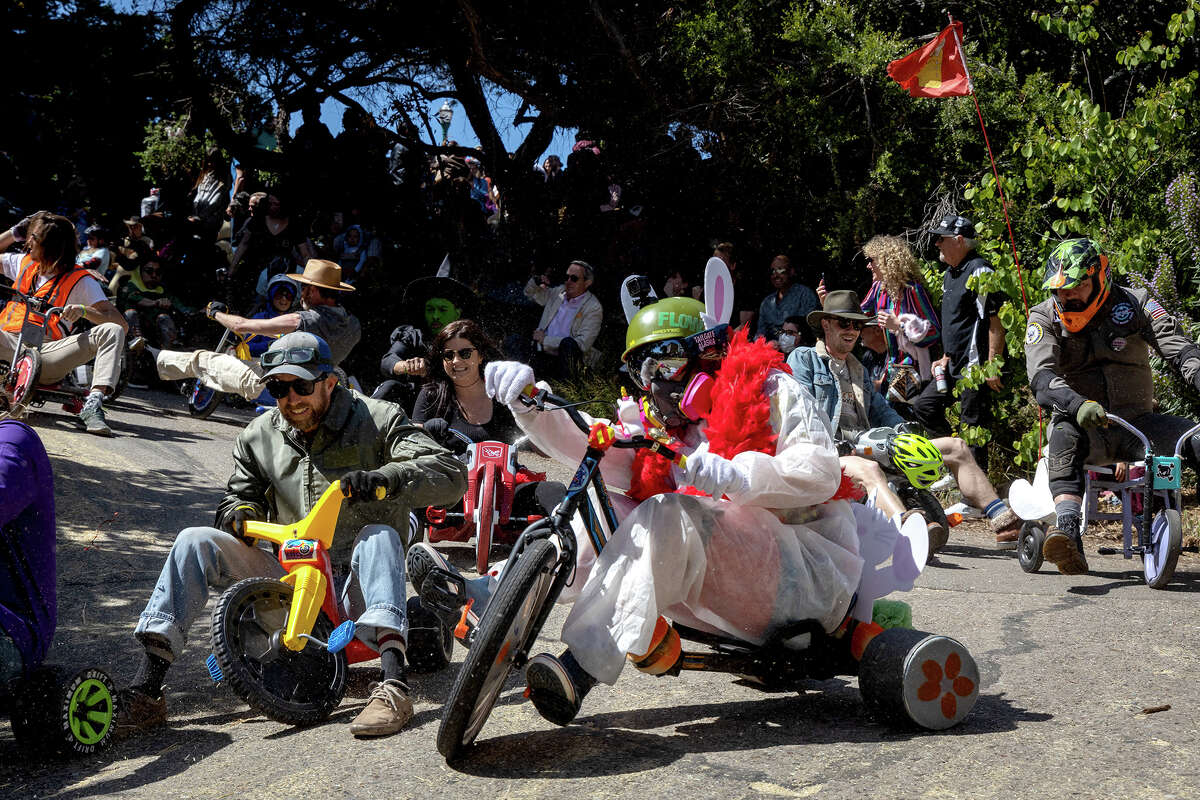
x,y
999,187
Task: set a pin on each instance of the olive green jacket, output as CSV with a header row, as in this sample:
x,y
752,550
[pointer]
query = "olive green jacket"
x,y
281,475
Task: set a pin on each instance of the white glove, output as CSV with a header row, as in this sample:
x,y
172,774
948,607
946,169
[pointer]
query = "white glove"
x,y
505,380
714,474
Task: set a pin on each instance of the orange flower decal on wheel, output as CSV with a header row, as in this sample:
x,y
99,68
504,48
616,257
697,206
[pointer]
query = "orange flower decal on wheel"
x,y
949,679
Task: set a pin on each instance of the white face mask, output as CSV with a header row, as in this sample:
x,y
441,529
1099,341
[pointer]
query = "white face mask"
x,y
787,342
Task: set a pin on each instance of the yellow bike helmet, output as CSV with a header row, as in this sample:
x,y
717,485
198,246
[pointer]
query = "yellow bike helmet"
x,y
917,458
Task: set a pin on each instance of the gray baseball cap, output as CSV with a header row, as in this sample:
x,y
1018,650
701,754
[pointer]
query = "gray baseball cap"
x,y
304,355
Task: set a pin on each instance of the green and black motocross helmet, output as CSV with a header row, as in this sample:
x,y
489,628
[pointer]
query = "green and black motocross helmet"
x,y
1070,264
656,342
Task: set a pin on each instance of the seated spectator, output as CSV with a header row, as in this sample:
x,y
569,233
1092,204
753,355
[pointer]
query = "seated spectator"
x,y
48,271
790,299
791,335
96,256
836,378
570,323
352,250
322,314
271,241
282,291
150,310
430,303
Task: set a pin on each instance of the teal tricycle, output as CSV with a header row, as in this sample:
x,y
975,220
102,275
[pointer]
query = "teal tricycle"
x,y
1156,534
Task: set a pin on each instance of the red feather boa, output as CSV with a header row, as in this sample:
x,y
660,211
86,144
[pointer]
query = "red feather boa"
x,y
740,420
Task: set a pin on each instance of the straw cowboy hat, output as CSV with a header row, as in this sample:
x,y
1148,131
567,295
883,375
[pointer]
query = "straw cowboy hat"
x,y
842,304
326,274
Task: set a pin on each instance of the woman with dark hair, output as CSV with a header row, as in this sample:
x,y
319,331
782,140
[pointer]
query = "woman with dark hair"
x,y
454,398
454,394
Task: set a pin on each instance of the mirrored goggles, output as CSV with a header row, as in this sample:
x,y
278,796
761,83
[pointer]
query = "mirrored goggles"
x,y
667,360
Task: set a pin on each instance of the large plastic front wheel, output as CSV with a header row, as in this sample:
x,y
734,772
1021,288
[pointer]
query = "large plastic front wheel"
x,y
295,688
486,509
21,382
67,714
509,625
912,678
1166,541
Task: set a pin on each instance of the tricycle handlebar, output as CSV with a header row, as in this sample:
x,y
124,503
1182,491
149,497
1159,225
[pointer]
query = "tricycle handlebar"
x,y
539,398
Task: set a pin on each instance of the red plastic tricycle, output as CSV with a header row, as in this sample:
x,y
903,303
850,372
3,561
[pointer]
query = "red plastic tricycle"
x,y
486,513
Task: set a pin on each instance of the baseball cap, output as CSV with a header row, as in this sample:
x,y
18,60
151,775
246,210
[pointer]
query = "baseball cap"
x,y
954,225
304,355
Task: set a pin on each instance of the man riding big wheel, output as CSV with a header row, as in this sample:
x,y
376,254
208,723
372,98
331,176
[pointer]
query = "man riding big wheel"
x,y
1087,350
47,271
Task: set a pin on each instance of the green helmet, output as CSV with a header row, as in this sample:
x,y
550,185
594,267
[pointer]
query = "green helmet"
x,y
917,458
672,318
1071,263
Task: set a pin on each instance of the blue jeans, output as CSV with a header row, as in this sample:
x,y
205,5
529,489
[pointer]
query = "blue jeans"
x,y
204,558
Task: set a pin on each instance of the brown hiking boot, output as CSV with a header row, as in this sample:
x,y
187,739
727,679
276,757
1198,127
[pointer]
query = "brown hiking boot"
x,y
138,711
1064,547
388,711
1007,528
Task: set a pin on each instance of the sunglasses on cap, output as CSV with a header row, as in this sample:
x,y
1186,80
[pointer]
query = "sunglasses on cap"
x,y
298,356
301,386
464,354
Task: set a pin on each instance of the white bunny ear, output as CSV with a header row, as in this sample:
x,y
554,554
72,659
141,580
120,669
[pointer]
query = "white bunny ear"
x,y
627,305
718,293
881,542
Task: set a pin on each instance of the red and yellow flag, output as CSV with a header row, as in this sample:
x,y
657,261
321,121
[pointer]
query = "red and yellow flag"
x,y
937,69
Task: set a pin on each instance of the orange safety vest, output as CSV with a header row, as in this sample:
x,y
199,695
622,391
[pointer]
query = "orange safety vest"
x,y
56,290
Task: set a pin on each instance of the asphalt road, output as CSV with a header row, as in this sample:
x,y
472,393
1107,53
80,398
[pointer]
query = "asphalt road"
x,y
1068,665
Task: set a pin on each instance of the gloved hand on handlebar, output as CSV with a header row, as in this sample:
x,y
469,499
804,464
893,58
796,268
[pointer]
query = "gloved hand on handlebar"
x,y
1091,414
236,522
360,485
714,474
439,430
504,380
215,307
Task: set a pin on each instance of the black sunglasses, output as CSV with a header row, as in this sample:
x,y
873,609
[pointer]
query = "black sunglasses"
x,y
301,386
848,323
299,356
463,353
572,278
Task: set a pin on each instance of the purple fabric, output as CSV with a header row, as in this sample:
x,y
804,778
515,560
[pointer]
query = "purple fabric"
x,y
27,542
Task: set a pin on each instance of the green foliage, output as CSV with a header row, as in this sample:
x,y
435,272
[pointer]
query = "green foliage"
x,y
170,153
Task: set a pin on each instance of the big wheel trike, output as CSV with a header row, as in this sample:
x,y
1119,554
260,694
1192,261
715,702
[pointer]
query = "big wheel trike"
x,y
486,512
283,644
1156,534
20,387
904,675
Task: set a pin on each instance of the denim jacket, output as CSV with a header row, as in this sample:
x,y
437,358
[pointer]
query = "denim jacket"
x,y
810,365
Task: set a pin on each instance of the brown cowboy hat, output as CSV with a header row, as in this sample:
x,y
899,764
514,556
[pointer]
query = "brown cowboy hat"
x,y
842,304
326,274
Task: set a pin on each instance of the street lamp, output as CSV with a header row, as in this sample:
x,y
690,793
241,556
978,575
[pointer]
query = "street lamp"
x,y
445,115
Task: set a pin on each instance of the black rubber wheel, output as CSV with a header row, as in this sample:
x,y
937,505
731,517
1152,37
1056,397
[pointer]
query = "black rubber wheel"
x,y
509,625
295,688
1029,548
21,383
924,501
71,715
915,679
430,641
201,400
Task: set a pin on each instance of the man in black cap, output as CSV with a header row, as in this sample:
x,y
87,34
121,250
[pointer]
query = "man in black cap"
x,y
282,462
971,331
